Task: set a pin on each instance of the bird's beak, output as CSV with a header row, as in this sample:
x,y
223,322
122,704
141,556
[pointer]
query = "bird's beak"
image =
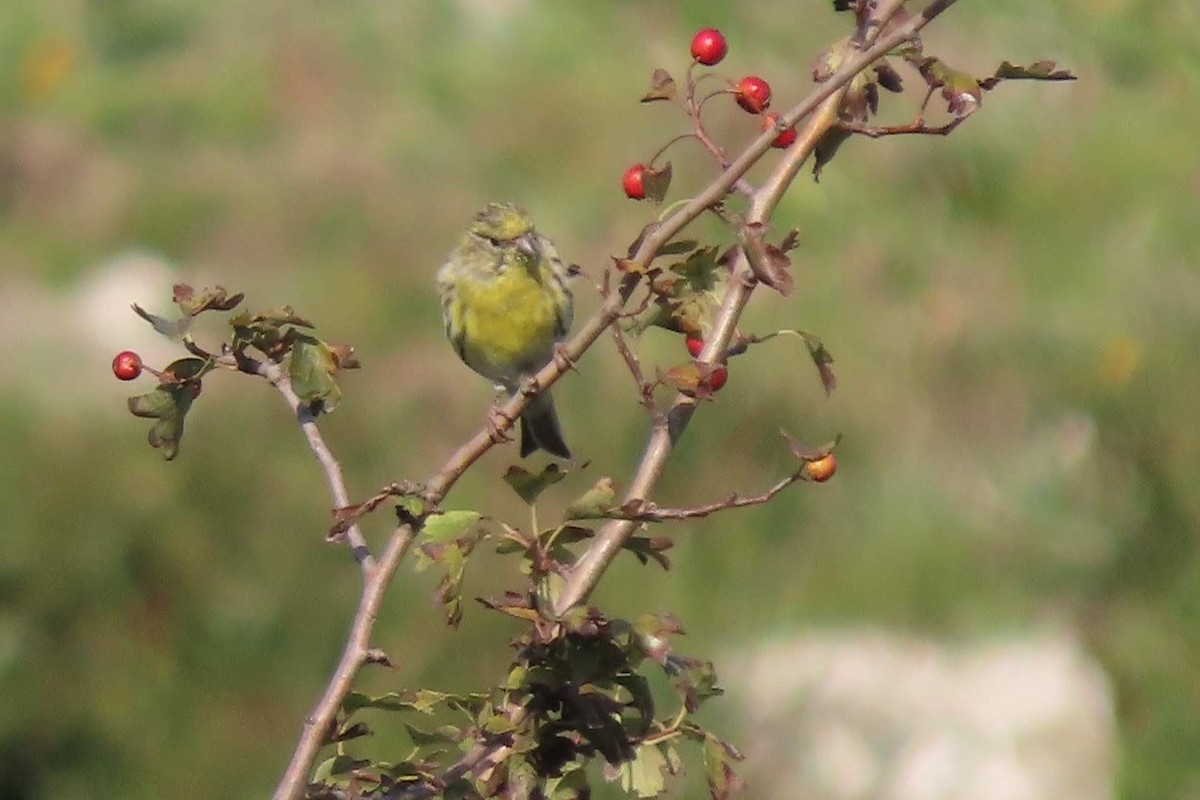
x,y
528,246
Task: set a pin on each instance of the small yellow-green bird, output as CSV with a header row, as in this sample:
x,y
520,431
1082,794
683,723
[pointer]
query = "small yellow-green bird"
x,y
506,305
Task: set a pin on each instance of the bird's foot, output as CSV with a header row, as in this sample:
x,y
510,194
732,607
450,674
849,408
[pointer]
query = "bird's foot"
x,y
499,424
562,358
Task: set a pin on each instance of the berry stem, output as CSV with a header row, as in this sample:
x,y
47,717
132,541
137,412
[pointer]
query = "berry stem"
x,y
667,146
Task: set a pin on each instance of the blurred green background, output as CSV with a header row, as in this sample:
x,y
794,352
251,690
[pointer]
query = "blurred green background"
x,y
1014,310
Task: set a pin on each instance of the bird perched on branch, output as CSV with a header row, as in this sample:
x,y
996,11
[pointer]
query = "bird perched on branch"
x,y
506,306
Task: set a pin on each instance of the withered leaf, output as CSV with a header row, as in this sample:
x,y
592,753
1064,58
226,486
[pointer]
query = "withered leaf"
x,y
1037,71
662,87
657,182
888,77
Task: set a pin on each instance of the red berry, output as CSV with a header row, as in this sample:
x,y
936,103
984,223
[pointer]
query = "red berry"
x,y
753,94
822,469
634,182
718,377
709,47
127,365
785,137
694,345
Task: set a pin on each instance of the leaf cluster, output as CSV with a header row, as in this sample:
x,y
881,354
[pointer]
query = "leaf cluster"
x,y
280,336
576,690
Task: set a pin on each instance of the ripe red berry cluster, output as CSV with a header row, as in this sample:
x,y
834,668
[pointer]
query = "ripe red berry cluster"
x,y
752,93
720,375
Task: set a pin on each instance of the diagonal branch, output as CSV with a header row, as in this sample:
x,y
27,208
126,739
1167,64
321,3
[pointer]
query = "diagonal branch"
x,y
275,376
357,652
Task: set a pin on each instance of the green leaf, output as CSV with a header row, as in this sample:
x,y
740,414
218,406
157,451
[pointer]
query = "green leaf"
x,y
960,90
272,332
498,724
350,732
684,377
447,526
651,635
694,680
823,361
529,485
167,405
644,774
192,303
650,548
1037,71
338,765
185,369
442,736
595,502
453,557
423,701
571,785
355,701
693,378
410,508
426,701
284,315
722,780
676,248
641,698
311,369
701,270
520,610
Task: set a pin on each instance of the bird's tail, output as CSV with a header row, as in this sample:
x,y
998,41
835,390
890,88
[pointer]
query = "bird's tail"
x,y
539,428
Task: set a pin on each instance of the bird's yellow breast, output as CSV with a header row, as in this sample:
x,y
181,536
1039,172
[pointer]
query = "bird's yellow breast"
x,y
509,320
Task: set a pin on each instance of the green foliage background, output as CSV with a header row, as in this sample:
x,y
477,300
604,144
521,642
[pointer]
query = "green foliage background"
x,y
1015,313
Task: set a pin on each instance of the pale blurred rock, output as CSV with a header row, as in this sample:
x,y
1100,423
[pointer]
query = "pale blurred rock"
x,y
866,715
63,339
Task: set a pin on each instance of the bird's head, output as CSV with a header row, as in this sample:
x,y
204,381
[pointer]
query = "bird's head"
x,y
507,226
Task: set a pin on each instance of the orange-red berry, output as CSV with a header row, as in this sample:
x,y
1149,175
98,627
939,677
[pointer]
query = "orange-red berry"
x,y
127,365
634,182
753,94
822,469
709,46
785,138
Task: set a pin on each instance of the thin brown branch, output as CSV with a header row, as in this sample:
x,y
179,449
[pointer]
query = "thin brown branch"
x,y
667,146
274,375
694,110
634,364
649,512
356,653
